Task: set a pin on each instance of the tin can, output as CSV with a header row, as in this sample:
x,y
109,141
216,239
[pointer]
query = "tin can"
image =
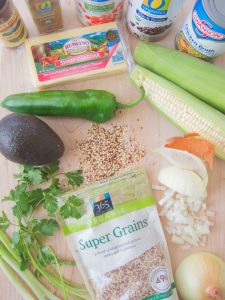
x,y
203,33
151,20
92,12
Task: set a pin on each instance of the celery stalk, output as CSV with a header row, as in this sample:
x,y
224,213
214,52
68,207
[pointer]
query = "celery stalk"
x,y
6,242
27,275
23,274
14,280
52,278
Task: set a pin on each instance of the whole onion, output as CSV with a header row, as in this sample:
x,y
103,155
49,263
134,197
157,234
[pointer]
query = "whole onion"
x,y
201,276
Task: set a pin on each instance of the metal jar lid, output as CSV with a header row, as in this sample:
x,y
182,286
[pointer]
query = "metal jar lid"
x,y
215,9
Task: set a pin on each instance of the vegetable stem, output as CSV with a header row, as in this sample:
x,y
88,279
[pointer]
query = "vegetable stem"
x,y
23,274
15,281
60,274
27,275
5,241
53,280
133,103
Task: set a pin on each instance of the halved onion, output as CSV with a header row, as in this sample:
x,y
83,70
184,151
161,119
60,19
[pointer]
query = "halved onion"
x,y
185,160
183,181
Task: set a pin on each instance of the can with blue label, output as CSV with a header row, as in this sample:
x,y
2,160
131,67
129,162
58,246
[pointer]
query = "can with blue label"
x,y
150,20
203,33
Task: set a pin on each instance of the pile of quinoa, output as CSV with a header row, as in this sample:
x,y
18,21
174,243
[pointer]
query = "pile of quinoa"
x,y
104,152
132,280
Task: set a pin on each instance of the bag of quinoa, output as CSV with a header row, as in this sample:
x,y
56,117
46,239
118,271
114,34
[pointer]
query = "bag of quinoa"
x,y
118,244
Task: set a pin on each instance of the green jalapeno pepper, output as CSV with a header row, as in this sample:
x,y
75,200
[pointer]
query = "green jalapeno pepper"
x,y
95,105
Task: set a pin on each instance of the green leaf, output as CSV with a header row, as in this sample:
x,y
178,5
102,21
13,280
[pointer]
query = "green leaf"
x,y
17,243
27,201
31,175
52,168
50,203
15,238
37,274
55,188
47,227
72,208
15,194
75,178
22,207
24,265
45,256
4,221
35,197
35,177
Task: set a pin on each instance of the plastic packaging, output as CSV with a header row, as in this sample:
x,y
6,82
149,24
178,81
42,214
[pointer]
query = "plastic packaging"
x,y
118,244
12,29
78,54
203,33
47,15
151,20
92,12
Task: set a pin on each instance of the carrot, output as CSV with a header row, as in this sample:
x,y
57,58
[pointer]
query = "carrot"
x,y
199,147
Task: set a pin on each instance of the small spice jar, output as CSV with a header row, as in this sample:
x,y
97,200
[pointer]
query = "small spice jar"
x,y
47,15
12,29
92,12
203,33
150,20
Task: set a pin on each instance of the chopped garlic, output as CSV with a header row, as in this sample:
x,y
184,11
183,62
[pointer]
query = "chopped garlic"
x,y
211,224
180,219
204,206
187,217
169,204
168,229
163,201
158,187
189,240
169,192
185,247
210,213
177,240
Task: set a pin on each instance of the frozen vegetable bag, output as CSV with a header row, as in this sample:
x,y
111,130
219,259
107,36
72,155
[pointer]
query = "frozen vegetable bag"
x,y
119,245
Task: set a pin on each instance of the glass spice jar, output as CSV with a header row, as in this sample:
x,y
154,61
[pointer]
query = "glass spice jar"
x,y
47,15
12,29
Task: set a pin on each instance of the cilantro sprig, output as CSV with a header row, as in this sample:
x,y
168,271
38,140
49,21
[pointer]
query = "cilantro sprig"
x,y
39,187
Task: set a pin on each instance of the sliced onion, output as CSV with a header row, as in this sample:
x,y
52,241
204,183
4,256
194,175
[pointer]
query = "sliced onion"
x,y
183,181
185,160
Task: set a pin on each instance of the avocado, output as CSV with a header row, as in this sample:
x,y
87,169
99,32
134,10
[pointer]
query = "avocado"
x,y
28,140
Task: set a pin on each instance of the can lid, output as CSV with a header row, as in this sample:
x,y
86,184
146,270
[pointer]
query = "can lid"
x,y
215,9
2,3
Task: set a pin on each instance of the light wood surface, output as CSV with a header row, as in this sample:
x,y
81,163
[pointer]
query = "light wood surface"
x,y
15,77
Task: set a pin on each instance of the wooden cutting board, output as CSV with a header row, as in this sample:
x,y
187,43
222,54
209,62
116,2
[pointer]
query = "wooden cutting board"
x,y
151,130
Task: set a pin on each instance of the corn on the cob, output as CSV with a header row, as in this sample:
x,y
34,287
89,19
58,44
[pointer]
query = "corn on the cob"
x,y
202,79
187,112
